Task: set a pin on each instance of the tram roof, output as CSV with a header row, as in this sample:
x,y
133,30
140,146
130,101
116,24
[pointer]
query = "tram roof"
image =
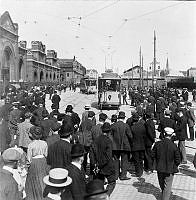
x,y
109,78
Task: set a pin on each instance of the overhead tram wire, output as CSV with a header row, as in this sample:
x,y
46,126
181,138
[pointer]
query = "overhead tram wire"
x,y
100,9
143,15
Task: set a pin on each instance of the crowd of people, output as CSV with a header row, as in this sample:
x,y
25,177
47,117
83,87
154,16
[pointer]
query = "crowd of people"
x,y
63,156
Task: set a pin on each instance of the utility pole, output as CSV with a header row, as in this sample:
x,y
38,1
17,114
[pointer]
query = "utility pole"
x,y
147,77
140,53
132,74
142,72
154,62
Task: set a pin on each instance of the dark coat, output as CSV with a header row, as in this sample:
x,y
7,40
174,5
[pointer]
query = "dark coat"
x,y
181,128
8,186
101,154
139,134
167,156
166,122
59,154
150,132
78,185
121,134
56,99
96,131
48,125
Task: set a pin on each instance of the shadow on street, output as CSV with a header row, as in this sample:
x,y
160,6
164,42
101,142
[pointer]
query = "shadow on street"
x,y
148,188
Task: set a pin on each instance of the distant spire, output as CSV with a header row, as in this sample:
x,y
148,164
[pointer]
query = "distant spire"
x,y
167,66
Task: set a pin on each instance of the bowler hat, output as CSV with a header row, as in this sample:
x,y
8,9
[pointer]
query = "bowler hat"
x,y
58,177
95,187
121,115
77,150
11,155
65,130
102,116
69,108
106,127
114,118
35,132
91,114
179,110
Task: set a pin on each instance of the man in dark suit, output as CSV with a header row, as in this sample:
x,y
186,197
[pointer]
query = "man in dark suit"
x,y
85,134
149,140
101,156
96,130
166,121
121,134
76,172
56,100
190,120
59,153
167,157
181,133
138,144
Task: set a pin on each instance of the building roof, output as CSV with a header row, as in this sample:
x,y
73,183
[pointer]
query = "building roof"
x,y
132,68
192,68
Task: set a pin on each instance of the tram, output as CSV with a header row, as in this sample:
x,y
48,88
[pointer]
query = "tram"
x,y
88,85
109,97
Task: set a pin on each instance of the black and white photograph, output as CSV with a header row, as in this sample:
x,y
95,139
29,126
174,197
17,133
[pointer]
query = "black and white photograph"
x,y
97,100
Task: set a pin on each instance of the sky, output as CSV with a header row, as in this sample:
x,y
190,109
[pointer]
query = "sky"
x,y
108,34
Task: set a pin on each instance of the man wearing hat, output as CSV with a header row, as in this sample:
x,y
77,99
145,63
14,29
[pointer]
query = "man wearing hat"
x,y
85,113
71,117
166,121
96,130
101,156
78,186
8,185
181,133
95,190
191,120
57,183
167,157
85,134
59,153
121,135
56,100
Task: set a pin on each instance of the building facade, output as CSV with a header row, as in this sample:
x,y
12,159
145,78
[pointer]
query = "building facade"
x,y
92,73
191,72
12,57
71,71
41,66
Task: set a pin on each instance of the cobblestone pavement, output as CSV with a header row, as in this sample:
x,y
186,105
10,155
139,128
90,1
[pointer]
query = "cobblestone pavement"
x,y
184,184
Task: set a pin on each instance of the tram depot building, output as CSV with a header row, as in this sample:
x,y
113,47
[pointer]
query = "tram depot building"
x,y
20,64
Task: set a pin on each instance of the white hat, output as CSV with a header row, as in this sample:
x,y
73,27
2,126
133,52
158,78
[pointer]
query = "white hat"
x,y
58,177
169,131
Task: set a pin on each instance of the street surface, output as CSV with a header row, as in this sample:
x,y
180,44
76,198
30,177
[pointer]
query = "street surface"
x,y
184,184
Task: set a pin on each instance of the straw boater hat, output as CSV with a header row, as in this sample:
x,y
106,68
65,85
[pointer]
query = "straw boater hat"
x,y
169,131
58,177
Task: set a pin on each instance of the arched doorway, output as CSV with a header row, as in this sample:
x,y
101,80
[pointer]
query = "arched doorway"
x,y
46,76
50,76
54,76
41,76
35,77
20,69
6,65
